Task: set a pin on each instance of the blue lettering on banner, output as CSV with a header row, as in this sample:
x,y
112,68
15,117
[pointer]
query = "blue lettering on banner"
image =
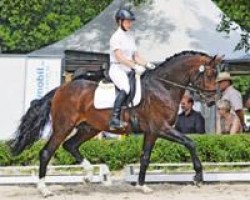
x,y
40,79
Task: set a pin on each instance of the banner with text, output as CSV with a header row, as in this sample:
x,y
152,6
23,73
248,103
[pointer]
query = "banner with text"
x,y
42,75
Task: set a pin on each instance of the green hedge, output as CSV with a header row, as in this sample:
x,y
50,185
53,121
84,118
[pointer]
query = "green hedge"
x,y
117,153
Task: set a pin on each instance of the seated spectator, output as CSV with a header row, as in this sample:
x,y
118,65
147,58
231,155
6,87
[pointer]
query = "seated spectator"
x,y
247,102
228,123
189,120
229,93
247,106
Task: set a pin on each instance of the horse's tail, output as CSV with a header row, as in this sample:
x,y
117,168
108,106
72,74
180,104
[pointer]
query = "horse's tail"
x,y
32,123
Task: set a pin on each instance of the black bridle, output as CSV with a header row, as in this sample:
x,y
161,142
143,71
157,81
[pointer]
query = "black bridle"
x,y
202,93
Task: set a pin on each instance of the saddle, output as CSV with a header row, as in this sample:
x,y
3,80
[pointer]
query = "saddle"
x,y
105,93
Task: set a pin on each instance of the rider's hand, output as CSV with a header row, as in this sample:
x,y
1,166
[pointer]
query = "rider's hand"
x,y
139,69
150,65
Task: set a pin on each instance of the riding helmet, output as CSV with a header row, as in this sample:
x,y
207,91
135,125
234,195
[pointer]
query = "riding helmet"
x,y
123,14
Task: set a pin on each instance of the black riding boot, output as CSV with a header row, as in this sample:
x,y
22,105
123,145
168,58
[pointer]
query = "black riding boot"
x,y
115,122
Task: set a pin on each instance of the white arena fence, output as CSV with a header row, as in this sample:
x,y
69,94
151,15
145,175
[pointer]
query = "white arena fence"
x,y
16,175
183,172
157,173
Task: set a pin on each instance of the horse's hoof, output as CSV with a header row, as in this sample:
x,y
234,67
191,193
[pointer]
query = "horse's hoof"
x,y
198,180
107,183
144,189
133,183
48,194
198,183
45,192
41,186
87,179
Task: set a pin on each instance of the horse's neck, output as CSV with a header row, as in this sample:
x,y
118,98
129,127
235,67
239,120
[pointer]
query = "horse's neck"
x,y
178,76
178,73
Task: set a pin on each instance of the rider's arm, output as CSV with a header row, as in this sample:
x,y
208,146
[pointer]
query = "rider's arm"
x,y
122,59
139,59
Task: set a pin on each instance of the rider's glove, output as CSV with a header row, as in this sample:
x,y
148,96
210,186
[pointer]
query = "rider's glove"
x,y
139,69
150,65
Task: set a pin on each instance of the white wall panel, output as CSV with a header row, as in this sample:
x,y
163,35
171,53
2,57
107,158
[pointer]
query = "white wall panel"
x,y
12,78
23,79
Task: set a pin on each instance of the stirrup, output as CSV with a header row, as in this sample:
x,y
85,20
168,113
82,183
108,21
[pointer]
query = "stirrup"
x,y
120,126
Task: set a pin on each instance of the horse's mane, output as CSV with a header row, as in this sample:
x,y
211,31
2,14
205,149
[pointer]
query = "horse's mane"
x,y
150,75
183,53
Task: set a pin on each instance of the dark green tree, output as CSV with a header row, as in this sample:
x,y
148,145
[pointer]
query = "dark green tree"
x,y
29,25
236,11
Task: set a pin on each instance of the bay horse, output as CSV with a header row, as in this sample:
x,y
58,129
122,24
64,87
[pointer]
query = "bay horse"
x,y
71,109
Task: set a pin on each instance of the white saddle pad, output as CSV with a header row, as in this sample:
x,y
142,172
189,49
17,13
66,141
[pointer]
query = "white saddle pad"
x,y
105,94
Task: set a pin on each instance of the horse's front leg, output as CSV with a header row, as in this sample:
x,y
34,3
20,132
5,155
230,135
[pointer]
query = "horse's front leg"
x,y
149,142
176,136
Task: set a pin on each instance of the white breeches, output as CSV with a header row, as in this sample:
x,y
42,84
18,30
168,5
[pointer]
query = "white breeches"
x,y
119,77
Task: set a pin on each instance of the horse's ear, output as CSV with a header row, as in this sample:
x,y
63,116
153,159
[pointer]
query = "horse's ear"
x,y
212,60
216,60
219,59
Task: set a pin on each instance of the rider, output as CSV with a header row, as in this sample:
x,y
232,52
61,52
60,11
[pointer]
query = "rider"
x,y
124,57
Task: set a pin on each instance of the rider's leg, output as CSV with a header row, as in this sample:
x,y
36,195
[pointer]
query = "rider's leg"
x,y
115,122
120,79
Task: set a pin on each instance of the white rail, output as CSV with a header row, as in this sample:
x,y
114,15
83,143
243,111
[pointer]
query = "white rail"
x,y
12,175
238,172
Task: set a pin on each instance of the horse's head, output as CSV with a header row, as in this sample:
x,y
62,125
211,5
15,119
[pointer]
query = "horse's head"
x,y
203,76
191,70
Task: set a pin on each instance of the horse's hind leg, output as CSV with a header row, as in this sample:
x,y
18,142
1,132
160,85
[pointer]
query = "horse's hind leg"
x,y
60,132
176,136
83,134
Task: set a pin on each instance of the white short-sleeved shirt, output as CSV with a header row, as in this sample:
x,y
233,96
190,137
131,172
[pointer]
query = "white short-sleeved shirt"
x,y
234,96
124,41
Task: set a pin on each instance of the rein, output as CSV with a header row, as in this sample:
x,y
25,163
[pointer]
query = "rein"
x,y
199,91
